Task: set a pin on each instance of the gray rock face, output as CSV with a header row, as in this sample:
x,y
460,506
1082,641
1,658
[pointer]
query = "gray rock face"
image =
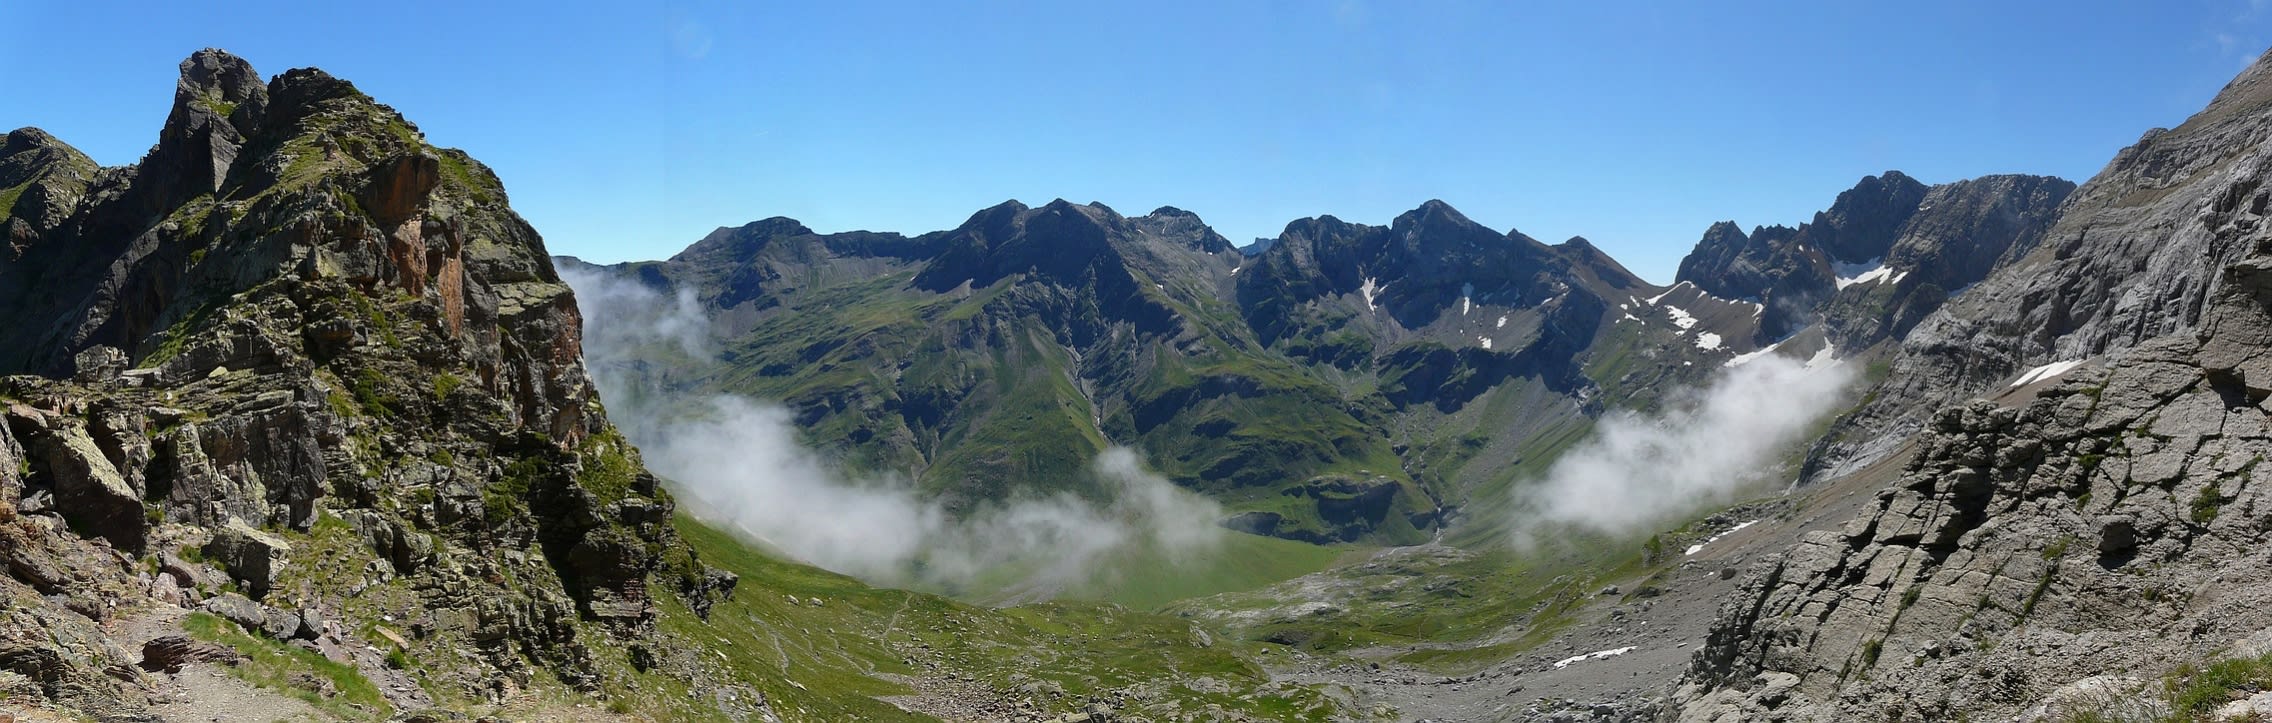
x,y
1959,233
2137,253
2113,520
237,609
1793,270
88,490
248,555
217,103
1931,240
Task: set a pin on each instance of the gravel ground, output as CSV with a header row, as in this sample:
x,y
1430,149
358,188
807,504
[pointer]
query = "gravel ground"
x,y
1661,631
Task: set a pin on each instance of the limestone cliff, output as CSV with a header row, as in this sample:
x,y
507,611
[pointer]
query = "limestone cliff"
x,y
2067,542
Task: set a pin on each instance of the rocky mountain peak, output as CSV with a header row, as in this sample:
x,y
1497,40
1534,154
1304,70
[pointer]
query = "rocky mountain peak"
x,y
728,244
1727,262
27,140
1185,226
218,102
293,312
1437,220
29,153
1862,224
1591,261
1059,240
219,81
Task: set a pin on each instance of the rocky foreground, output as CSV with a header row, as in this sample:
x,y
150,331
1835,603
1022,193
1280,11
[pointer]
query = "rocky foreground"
x,y
295,320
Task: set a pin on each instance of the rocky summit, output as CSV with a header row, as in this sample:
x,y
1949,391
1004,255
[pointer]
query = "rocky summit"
x,y
301,371
299,420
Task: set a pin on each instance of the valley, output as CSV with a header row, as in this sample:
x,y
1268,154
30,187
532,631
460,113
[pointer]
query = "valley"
x,y
303,420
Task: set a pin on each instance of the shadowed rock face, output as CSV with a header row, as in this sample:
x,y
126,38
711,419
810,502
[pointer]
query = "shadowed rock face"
x,y
1960,234
1931,240
322,317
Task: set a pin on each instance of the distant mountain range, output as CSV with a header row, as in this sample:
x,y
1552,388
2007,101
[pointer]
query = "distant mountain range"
x,y
1341,382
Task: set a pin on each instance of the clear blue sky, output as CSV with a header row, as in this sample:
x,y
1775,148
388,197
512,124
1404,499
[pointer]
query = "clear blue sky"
x,y
627,130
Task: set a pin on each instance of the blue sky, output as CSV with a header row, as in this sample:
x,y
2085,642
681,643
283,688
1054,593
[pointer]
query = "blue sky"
x,y
627,130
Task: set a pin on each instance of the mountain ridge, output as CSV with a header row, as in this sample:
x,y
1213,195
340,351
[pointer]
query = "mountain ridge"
x,y
1368,323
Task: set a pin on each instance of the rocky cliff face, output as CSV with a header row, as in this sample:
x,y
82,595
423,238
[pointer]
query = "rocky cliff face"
x,y
2047,553
1888,252
333,331
2134,254
1959,234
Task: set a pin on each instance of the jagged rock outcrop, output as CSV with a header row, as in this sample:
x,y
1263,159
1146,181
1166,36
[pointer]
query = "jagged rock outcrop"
x,y
1886,253
1792,271
329,328
2024,549
2086,539
1960,233
2135,254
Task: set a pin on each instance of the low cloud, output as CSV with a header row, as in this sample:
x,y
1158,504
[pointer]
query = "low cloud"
x,y
740,463
1638,471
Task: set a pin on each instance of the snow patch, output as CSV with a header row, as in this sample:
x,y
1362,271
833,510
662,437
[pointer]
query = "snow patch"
x,y
1707,340
1699,547
1595,655
1680,317
1865,273
1668,292
1502,322
2046,372
1368,290
1826,357
1745,357
1465,303
1630,317
1486,341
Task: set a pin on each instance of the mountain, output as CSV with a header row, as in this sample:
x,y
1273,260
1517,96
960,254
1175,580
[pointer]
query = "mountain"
x,y
297,426
997,358
2131,257
329,325
1344,383
2057,548
1886,253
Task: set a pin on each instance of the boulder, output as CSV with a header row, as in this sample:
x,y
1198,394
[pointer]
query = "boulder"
x,y
98,363
247,554
237,609
89,492
168,654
